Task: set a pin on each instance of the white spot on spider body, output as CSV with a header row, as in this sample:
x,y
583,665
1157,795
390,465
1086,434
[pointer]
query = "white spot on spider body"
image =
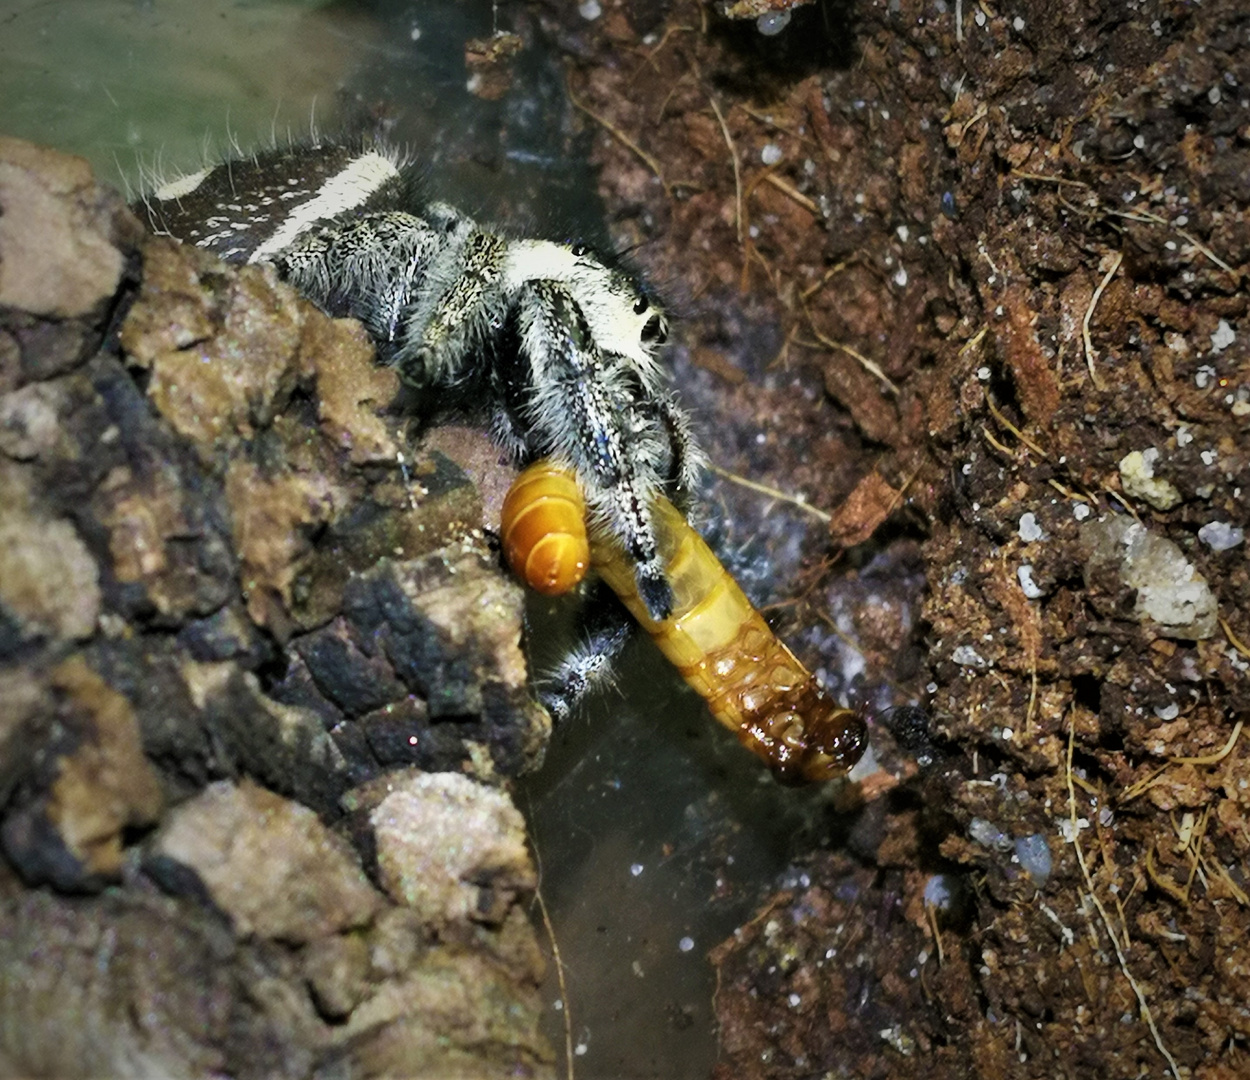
x,y
344,191
184,185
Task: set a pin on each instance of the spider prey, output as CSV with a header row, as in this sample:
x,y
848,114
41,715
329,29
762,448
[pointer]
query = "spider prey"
x,y
556,348
555,345
752,683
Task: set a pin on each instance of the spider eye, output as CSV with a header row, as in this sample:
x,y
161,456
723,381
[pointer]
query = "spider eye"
x,y
655,330
579,250
641,305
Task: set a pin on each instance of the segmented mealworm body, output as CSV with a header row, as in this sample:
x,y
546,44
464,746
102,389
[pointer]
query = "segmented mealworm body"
x,y
751,681
543,526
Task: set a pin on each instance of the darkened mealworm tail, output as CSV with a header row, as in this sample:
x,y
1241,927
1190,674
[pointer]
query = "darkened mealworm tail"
x,y
751,681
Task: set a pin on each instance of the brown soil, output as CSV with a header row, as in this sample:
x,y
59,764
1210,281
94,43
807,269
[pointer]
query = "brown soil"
x,y
1007,251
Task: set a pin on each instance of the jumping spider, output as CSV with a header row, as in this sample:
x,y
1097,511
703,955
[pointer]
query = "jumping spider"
x,y
549,343
554,347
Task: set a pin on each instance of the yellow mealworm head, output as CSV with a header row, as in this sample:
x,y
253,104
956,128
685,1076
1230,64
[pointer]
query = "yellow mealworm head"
x,y
805,737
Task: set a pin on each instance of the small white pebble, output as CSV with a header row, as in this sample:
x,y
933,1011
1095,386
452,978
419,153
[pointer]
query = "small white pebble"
x,y
1220,535
1184,436
1213,95
589,10
772,22
1017,24
984,374
900,278
686,944
1223,337
770,154
1081,511
1027,584
795,1001
1170,711
1030,530
636,869
967,656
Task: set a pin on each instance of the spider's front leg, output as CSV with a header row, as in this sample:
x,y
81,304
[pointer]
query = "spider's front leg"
x,y
593,409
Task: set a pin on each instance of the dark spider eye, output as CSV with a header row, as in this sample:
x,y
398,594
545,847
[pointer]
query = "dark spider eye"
x,y
655,330
641,305
579,250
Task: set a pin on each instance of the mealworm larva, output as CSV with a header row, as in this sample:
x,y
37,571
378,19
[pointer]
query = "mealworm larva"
x,y
543,525
751,681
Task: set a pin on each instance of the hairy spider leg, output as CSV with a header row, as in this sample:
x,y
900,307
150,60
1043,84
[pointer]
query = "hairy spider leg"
x,y
605,631
588,407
